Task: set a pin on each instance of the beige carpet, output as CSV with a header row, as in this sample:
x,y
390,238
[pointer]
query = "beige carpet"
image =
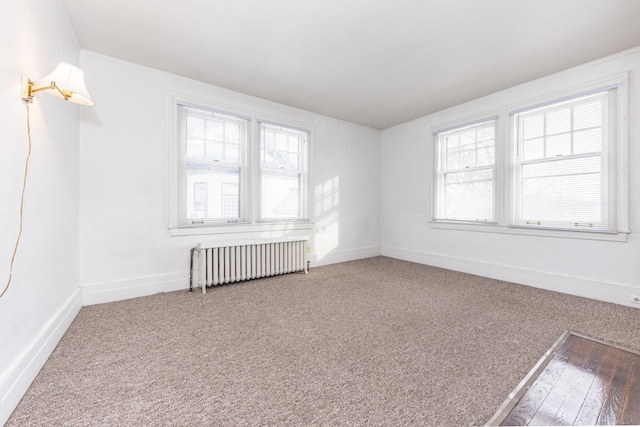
x,y
371,342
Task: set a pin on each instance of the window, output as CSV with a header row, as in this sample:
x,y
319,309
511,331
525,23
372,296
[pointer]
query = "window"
x,y
234,173
283,164
551,167
465,177
211,167
565,173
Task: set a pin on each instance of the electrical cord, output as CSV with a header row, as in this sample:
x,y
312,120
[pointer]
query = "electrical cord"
x,y
24,186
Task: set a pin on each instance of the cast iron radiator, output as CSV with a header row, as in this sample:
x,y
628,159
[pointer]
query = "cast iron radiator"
x,y
228,263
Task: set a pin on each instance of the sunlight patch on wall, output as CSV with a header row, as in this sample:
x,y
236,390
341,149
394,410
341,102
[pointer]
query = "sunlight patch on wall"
x,y
326,204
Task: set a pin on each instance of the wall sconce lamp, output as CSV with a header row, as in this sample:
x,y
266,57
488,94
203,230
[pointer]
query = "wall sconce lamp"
x,y
65,82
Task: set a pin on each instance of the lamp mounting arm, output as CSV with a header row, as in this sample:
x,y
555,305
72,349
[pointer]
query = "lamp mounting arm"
x,y
29,91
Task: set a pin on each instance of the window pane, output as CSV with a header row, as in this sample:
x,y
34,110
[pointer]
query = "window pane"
x,y
469,195
195,127
486,133
453,142
232,133
281,142
467,137
559,145
564,198
280,196
559,121
294,143
293,161
269,140
563,190
268,157
467,158
280,159
232,153
587,115
215,130
453,161
533,127
534,149
587,141
286,154
195,148
214,151
485,156
213,181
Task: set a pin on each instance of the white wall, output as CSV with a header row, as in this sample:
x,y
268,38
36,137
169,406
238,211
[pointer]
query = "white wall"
x,y
126,249
599,269
44,296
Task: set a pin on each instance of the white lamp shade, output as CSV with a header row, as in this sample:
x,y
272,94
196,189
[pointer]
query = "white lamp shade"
x,y
67,77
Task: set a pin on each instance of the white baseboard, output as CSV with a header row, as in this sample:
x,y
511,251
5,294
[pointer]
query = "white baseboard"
x,y
609,292
26,366
99,293
346,255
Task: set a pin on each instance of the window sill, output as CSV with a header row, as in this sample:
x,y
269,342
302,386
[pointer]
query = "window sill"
x,y
240,228
619,236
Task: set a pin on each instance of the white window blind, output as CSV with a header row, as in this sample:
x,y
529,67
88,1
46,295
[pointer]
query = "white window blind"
x,y
283,173
211,166
466,168
565,167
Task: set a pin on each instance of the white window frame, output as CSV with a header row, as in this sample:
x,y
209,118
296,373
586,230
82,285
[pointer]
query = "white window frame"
x,y
301,171
440,154
605,159
505,158
244,122
249,196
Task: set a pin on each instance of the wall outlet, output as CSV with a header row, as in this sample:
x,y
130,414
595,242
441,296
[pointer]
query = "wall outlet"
x,y
309,248
634,299
320,229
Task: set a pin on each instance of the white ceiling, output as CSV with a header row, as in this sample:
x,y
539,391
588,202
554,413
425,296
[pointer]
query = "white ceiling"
x,y
373,62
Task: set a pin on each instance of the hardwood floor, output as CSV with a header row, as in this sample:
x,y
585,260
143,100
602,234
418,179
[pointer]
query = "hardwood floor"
x,y
580,382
